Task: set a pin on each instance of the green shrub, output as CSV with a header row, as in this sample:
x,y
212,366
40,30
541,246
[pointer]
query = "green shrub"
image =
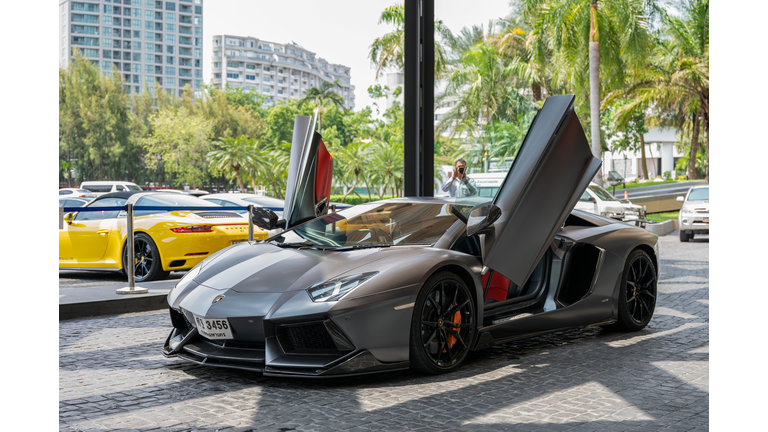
x,y
354,200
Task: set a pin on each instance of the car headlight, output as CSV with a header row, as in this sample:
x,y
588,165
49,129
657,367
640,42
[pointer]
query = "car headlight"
x,y
335,289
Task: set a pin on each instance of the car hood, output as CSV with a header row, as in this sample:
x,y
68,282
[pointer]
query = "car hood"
x,y
264,267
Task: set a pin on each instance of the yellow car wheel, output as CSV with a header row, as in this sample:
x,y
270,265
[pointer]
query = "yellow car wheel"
x,y
147,264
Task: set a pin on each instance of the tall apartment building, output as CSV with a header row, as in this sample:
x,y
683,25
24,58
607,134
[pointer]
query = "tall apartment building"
x,y
277,71
160,42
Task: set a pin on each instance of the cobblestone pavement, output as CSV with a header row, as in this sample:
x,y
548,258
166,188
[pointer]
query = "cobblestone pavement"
x,y
113,377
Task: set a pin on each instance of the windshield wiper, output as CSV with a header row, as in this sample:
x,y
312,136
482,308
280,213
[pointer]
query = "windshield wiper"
x,y
364,246
295,245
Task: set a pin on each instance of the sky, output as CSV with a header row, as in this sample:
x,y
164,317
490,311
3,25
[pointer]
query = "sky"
x,y
340,31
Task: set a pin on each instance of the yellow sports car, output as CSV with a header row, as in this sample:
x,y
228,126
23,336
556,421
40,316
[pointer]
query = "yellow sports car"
x,y
163,240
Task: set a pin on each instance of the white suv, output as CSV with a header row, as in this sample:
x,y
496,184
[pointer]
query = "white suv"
x,y
105,187
694,216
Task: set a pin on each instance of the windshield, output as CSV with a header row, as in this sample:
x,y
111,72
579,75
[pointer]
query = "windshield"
x,y
169,200
699,194
386,224
132,187
602,193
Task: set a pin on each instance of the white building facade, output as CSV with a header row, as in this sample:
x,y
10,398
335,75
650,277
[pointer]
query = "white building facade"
x,y
276,71
152,41
661,155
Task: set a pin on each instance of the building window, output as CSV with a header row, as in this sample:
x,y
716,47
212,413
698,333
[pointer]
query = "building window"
x,y
149,58
250,77
136,34
233,75
136,24
149,69
198,20
170,17
136,13
170,82
136,68
170,70
170,39
217,75
170,6
106,65
217,64
199,10
198,41
136,57
199,52
185,51
107,9
149,47
198,31
233,64
106,54
169,49
170,60
106,43
170,28
148,14
198,73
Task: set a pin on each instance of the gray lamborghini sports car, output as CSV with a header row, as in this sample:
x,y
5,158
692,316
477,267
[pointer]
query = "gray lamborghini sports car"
x,y
417,282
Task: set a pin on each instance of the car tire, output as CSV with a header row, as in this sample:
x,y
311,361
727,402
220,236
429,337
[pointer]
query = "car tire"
x,y
683,236
637,295
435,347
148,265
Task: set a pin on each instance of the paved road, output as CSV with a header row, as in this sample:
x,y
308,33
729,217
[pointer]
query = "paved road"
x,y
113,377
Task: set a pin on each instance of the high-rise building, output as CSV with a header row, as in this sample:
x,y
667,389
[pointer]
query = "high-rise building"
x,y
276,71
160,42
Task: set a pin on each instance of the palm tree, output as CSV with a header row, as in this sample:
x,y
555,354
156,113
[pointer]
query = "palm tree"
x,y
325,93
232,155
676,83
387,166
387,51
352,160
481,82
584,37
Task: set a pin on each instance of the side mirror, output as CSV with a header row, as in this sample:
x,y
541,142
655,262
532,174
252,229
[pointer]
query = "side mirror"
x,y
69,217
481,219
266,219
681,199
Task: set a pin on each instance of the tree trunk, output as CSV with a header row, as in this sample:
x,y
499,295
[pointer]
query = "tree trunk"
x,y
642,157
536,90
594,87
692,172
354,184
706,130
239,179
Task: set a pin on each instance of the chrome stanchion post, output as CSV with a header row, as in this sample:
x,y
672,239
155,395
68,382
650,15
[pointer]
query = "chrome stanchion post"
x,y
250,222
131,261
61,217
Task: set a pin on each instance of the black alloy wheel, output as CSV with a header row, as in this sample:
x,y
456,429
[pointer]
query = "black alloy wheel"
x,y
147,265
637,299
443,324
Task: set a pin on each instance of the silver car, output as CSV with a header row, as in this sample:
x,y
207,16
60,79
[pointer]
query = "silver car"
x,y
694,216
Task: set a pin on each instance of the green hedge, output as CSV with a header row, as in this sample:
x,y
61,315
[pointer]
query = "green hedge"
x,y
354,200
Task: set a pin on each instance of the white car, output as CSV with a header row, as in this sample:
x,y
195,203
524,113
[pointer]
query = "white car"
x,y
599,201
244,200
75,193
694,216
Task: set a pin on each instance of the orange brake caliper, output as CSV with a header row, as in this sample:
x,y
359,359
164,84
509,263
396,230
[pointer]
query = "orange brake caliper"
x,y
456,318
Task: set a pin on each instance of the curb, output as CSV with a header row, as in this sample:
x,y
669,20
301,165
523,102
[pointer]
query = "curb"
x,y
112,307
661,228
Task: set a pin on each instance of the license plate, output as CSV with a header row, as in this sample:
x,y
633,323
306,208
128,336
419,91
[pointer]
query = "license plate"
x,y
213,328
706,220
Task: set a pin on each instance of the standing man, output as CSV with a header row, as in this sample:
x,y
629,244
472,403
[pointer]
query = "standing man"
x,y
458,184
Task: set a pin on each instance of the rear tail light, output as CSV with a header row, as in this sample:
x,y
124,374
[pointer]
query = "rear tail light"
x,y
193,229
